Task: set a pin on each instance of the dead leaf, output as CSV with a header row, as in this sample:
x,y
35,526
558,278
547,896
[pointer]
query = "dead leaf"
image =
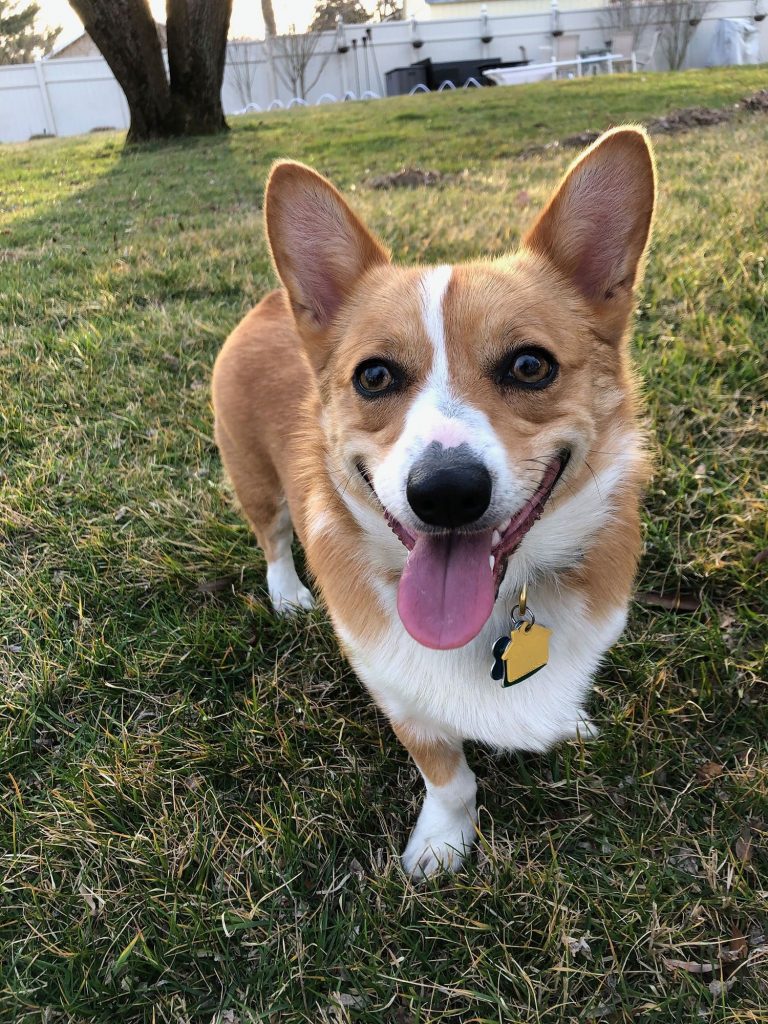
x,y
578,946
681,602
743,845
691,966
709,771
226,1017
761,557
685,859
356,868
342,999
94,903
217,586
717,987
738,945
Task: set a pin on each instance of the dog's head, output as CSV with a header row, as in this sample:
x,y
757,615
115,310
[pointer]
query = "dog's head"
x,y
457,400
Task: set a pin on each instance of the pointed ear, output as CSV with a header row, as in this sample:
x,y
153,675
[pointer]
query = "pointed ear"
x,y
320,248
596,226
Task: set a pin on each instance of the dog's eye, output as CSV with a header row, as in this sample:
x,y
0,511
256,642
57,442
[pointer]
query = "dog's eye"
x,y
529,368
374,377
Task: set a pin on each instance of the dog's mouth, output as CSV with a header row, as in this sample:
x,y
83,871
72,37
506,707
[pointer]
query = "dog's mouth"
x,y
450,580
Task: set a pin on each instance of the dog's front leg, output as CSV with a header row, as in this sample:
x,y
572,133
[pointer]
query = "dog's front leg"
x,y
446,827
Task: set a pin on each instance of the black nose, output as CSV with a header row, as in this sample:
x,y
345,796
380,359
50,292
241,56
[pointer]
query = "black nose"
x,y
449,487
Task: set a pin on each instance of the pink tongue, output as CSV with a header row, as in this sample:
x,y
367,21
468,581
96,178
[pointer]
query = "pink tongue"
x,y
446,592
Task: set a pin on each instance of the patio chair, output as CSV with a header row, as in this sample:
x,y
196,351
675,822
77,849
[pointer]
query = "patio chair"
x,y
644,59
624,43
567,49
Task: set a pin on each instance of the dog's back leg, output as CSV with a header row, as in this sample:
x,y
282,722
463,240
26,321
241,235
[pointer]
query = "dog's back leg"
x,y
260,495
247,393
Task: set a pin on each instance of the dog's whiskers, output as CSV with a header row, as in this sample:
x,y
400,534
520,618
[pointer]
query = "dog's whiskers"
x,y
594,477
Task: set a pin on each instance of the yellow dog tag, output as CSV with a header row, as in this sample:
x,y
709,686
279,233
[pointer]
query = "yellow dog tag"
x,y
522,653
526,652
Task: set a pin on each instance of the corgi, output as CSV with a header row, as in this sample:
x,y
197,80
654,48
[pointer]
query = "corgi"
x,y
451,443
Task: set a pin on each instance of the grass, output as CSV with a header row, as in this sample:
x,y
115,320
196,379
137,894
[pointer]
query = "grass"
x,y
200,810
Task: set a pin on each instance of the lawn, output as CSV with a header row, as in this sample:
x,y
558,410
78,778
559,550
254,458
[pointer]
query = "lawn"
x,y
200,810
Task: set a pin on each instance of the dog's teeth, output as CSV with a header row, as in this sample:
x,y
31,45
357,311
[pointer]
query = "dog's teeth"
x,y
496,539
505,525
492,561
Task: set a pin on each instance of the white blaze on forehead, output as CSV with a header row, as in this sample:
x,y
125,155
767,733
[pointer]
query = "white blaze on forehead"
x,y
433,286
435,409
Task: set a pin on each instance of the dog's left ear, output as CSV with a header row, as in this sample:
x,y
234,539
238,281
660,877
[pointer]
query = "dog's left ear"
x,y
596,226
321,249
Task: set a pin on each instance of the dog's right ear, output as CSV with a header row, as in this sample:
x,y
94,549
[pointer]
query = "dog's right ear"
x,y
320,248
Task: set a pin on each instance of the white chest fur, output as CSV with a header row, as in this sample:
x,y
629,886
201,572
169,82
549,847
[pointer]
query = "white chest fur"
x,y
452,691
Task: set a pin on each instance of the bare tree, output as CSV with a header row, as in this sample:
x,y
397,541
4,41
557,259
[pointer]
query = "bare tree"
x,y
679,20
188,100
243,64
295,51
634,16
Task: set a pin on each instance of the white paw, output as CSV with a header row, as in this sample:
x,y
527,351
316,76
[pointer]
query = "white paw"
x,y
292,601
286,591
430,850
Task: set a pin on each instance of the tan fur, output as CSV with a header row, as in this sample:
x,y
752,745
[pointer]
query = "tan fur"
x,y
595,228
321,247
290,429
436,759
606,575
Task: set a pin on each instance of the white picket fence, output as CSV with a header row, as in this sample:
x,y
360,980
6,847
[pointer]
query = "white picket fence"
x,y
72,96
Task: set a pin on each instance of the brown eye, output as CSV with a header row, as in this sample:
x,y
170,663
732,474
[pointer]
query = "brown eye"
x,y
530,368
373,378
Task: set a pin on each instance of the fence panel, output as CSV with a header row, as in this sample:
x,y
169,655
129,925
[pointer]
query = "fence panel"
x,y
71,96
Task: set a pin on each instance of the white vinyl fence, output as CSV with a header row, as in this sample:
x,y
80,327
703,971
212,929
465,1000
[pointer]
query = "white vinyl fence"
x,y
72,96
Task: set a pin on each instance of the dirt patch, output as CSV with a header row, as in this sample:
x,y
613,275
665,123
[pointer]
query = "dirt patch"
x,y
691,117
580,139
408,177
677,121
757,101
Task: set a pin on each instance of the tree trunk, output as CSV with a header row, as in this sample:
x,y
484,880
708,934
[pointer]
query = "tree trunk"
x,y
269,17
125,33
197,49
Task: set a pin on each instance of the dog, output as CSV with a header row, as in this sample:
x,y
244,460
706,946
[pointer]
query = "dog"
x,y
459,449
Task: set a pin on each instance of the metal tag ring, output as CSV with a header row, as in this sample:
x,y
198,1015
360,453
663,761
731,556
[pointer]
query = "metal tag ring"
x,y
525,618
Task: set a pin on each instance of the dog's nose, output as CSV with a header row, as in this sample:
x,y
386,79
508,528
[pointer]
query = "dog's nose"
x,y
449,487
